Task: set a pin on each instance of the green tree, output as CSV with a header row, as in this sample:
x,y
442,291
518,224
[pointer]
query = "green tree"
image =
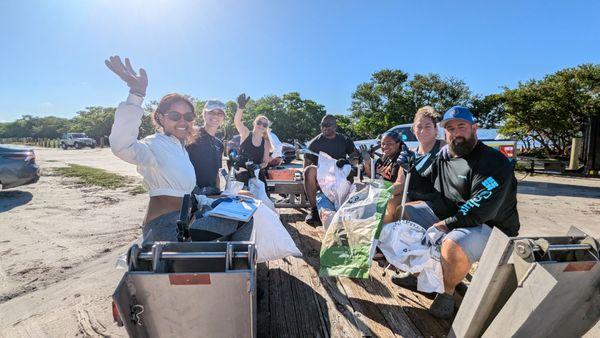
x,y
147,126
23,127
301,119
441,94
489,111
291,116
346,126
381,103
95,122
552,110
50,127
390,98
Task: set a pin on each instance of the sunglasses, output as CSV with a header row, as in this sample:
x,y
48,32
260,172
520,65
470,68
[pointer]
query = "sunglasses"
x,y
176,116
262,123
215,112
327,125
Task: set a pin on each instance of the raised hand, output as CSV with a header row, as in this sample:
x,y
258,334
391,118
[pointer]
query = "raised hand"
x,y
364,153
242,100
137,83
406,159
385,167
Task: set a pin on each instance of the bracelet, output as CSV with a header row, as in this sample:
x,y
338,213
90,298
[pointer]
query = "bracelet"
x,y
137,93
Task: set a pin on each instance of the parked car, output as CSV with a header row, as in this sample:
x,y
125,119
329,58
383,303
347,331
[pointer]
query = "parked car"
x,y
76,140
487,136
17,166
289,151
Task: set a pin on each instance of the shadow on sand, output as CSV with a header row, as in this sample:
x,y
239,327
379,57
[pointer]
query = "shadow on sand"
x,y
13,198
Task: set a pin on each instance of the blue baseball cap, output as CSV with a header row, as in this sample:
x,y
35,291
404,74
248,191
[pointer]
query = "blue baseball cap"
x,y
457,112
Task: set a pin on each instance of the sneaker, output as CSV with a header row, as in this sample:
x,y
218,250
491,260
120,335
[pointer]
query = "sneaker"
x,y
442,306
313,217
405,279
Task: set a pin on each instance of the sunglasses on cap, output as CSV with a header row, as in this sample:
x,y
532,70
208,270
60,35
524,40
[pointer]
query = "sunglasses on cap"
x,y
262,123
176,116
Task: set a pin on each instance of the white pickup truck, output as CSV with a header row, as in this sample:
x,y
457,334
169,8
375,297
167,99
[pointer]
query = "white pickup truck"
x,y
487,136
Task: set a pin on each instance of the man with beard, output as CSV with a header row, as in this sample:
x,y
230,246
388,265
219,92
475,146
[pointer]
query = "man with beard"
x,y
476,190
333,144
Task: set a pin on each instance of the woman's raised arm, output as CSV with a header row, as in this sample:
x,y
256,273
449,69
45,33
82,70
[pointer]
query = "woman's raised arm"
x,y
237,120
128,117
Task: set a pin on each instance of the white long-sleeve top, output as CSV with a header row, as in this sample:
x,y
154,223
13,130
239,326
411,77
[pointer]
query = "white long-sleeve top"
x,y
162,160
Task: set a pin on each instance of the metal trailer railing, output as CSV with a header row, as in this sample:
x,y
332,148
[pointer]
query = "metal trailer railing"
x,y
193,289
533,287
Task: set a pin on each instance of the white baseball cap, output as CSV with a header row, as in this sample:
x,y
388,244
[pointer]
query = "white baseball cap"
x,y
213,104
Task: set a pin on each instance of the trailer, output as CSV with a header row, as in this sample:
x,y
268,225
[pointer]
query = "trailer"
x,y
203,285
287,182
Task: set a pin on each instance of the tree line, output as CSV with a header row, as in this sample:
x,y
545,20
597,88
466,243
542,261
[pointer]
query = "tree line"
x,y
548,111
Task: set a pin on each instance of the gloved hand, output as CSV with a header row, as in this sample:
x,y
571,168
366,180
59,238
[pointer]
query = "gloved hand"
x,y
252,167
242,100
406,159
137,83
364,153
433,237
342,162
239,161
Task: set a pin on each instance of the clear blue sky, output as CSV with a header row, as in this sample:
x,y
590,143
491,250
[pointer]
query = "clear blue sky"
x,y
52,56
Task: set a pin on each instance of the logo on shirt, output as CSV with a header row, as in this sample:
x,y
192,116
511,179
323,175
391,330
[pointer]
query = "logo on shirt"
x,y
489,184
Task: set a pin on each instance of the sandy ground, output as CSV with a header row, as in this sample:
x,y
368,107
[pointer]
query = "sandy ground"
x,y
59,241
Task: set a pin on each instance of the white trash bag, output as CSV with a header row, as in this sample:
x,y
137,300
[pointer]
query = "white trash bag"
x,y
431,278
272,239
410,248
233,188
257,188
332,180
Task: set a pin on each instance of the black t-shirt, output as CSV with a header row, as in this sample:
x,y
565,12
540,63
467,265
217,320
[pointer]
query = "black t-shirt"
x,y
419,179
337,147
206,154
479,188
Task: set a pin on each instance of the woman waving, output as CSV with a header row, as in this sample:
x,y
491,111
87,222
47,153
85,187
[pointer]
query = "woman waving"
x,y
161,158
255,145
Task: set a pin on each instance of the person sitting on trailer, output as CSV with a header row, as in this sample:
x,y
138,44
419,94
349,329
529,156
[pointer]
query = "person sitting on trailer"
x,y
386,167
255,145
334,144
476,190
206,150
160,158
425,129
